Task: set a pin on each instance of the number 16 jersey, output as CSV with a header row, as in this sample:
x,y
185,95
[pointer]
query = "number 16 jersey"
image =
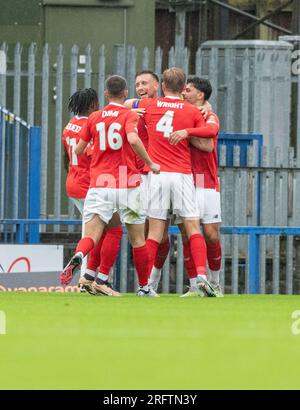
x,y
112,160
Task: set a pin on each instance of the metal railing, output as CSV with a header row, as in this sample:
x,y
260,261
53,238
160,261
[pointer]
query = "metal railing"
x,y
248,277
20,163
250,80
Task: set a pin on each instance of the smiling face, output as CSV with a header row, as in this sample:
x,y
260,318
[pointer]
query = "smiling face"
x,y
192,95
146,86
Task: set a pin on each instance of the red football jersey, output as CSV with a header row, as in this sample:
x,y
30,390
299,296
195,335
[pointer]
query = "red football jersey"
x,y
113,165
206,163
143,134
78,178
163,116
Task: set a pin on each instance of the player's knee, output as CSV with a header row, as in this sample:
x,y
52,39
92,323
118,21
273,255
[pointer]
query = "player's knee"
x,y
137,242
212,237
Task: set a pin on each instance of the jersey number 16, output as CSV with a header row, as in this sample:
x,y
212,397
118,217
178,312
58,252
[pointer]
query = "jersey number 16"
x,y
114,138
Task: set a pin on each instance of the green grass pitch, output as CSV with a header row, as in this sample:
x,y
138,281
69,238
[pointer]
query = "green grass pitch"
x,y
76,341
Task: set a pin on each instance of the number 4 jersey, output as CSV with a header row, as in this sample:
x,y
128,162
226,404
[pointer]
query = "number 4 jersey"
x,y
113,160
162,117
78,178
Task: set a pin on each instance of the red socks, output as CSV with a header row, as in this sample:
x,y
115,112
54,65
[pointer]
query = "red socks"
x,y
110,249
214,255
188,261
94,256
152,247
85,245
106,251
140,259
198,253
162,253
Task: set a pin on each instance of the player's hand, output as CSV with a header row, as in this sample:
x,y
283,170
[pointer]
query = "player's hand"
x,y
155,168
177,136
140,111
205,109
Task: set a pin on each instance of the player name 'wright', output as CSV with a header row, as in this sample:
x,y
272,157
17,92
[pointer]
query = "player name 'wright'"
x,y
170,104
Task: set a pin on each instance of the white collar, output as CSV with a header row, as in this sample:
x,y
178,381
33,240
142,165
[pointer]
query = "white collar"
x,y
173,97
118,105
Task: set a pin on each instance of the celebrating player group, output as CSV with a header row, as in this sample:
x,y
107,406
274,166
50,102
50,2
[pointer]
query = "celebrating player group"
x,y
143,162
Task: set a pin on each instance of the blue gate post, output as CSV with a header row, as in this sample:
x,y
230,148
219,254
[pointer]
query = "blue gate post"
x,y
254,266
1,161
34,181
243,141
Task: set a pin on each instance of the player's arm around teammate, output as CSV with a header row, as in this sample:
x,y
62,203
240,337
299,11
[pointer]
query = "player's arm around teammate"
x,y
146,86
111,129
174,188
82,103
204,161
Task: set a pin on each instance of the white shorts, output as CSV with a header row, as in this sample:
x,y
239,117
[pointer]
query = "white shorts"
x,y
209,206
171,191
106,201
79,203
144,192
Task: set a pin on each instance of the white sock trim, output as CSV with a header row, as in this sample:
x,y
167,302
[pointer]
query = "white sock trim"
x,y
102,276
91,272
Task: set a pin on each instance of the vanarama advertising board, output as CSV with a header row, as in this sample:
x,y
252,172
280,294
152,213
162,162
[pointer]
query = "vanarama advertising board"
x,y
32,268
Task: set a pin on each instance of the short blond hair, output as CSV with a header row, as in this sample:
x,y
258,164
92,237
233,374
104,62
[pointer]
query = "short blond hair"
x,y
174,79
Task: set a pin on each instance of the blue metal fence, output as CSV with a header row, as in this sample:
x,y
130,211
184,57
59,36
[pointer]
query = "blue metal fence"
x,y
20,163
243,141
254,233
20,153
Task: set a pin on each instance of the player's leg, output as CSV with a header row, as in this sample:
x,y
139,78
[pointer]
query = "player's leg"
x,y
133,215
214,253
93,263
211,234
140,257
190,213
155,236
189,265
106,250
161,256
198,253
144,200
109,251
197,245
93,231
97,212
79,203
211,220
108,254
159,194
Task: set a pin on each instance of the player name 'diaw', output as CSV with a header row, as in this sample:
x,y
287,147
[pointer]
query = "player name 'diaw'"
x,y
132,401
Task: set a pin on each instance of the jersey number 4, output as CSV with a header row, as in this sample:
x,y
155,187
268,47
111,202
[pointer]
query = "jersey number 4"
x,y
165,124
114,138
